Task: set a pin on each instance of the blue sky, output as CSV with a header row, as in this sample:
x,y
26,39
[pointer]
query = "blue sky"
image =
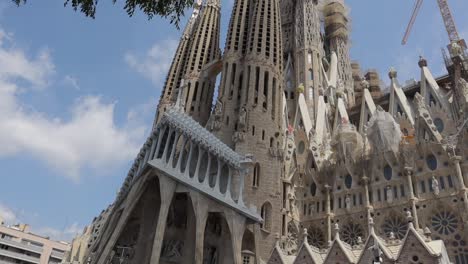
x,y
77,95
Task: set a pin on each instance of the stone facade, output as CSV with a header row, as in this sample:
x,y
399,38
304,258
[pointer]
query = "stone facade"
x,y
296,140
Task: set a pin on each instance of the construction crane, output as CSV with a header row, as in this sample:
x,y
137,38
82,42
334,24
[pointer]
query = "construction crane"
x,y
446,16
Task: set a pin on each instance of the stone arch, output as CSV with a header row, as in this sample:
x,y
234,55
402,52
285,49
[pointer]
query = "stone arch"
x,y
180,228
256,175
248,246
224,178
194,159
163,142
217,246
179,150
266,212
134,244
203,166
172,140
185,153
213,171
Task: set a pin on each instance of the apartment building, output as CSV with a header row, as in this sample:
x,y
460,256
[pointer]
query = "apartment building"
x,y
18,245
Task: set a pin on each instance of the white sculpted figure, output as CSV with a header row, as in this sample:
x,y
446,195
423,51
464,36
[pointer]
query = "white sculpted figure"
x,y
389,194
435,185
242,117
348,202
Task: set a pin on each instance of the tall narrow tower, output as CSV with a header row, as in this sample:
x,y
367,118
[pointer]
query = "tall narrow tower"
x,y
337,40
204,50
198,47
250,107
176,71
308,51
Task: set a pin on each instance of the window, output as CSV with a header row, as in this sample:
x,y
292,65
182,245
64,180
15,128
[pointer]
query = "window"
x,y
402,190
388,172
265,213
423,186
431,161
379,195
301,147
429,182
311,74
348,181
313,189
442,182
439,124
449,180
256,175
309,57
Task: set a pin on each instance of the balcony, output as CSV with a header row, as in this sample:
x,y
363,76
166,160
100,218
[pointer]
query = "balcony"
x,y
18,256
19,245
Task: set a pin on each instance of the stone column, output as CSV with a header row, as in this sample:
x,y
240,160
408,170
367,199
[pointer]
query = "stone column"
x,y
369,207
200,206
236,224
167,192
461,178
412,198
328,211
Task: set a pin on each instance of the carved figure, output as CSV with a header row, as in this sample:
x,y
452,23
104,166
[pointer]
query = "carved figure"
x,y
242,117
389,192
172,249
435,185
348,202
218,109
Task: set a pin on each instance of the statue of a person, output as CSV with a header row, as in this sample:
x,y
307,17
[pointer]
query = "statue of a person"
x,y
435,185
389,192
242,117
218,108
348,202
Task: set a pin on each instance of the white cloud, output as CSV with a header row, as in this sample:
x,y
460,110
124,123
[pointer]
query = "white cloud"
x,y
72,81
15,65
155,64
67,234
7,214
89,139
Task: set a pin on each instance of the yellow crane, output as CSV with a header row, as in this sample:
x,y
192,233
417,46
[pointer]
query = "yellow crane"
x,y
446,16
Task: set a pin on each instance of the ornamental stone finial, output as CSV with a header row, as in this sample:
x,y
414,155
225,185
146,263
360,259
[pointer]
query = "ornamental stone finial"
x,y
422,62
364,83
304,235
337,231
393,74
409,217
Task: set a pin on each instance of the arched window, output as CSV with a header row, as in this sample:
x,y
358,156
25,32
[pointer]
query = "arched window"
x,y
439,124
256,175
348,181
388,173
311,74
431,161
313,189
265,213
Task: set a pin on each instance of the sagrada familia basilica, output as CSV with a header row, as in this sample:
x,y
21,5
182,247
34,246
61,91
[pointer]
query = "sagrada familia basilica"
x,y
302,159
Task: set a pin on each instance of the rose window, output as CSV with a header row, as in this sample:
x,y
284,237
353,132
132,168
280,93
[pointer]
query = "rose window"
x,y
396,225
351,233
445,223
315,237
